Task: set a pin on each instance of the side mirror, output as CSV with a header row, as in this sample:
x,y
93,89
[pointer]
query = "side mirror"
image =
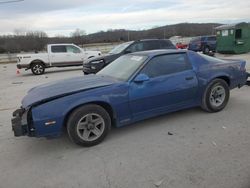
x,y
141,78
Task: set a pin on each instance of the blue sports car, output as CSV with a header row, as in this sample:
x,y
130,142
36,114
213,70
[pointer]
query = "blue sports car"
x,y
134,87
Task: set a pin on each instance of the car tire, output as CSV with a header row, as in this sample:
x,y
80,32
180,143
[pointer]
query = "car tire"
x,y
216,96
206,50
85,73
37,68
88,125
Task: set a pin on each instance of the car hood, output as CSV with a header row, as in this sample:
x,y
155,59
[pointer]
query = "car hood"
x,y
53,90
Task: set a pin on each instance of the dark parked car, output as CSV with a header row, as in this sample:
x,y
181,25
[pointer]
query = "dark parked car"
x,y
95,64
203,43
134,87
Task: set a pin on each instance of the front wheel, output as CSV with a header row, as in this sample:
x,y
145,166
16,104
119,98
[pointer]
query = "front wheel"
x,y
88,125
37,68
216,96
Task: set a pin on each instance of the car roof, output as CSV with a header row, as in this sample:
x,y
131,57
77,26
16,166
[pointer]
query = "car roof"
x,y
145,40
152,53
62,44
152,39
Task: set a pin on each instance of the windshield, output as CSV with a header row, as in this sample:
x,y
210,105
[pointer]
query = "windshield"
x,y
123,67
118,49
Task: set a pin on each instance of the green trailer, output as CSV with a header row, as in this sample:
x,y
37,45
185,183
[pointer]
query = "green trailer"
x,y
233,38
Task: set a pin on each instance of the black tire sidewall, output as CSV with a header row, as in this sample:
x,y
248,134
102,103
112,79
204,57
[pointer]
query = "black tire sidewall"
x,y
77,114
206,50
34,64
214,83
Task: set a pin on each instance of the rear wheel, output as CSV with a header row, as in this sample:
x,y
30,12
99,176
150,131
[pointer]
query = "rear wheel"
x,y
37,68
216,96
85,73
88,125
206,50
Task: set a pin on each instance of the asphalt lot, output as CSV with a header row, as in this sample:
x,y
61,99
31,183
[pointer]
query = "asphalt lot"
x,y
204,150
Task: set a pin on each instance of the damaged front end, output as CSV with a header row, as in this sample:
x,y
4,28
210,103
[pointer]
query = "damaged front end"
x,y
22,123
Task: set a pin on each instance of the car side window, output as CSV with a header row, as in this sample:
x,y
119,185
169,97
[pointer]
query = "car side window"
x,y
166,44
73,49
58,49
136,47
151,45
195,40
203,39
211,38
166,64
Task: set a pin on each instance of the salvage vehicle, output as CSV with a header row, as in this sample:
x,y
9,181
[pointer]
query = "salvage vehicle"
x,y
134,87
96,64
205,44
58,55
180,45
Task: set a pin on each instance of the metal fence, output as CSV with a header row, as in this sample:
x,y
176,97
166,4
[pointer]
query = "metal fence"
x,y
8,58
103,47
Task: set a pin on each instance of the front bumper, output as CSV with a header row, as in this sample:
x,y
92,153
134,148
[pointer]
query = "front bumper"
x,y
20,123
22,66
90,69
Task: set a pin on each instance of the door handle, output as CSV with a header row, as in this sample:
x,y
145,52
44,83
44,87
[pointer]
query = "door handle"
x,y
189,78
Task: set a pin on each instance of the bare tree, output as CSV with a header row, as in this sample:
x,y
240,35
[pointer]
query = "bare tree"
x,y
23,40
78,36
78,33
19,32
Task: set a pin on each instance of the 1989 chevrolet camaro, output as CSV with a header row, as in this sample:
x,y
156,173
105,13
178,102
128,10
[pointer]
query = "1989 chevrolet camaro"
x,y
132,88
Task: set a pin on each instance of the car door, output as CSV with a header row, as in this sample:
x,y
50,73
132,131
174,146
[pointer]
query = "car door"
x,y
172,85
59,55
75,55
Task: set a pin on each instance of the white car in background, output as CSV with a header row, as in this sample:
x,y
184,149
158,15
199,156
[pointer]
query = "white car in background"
x,y
58,55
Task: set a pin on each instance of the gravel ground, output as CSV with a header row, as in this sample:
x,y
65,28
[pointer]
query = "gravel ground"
x,y
190,148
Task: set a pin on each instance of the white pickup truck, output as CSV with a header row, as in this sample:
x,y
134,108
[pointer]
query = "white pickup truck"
x,y
58,55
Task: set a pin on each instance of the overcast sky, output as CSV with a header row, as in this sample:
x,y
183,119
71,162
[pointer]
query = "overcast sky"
x,y
64,16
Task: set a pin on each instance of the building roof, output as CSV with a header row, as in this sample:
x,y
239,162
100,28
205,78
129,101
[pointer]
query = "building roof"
x,y
231,26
